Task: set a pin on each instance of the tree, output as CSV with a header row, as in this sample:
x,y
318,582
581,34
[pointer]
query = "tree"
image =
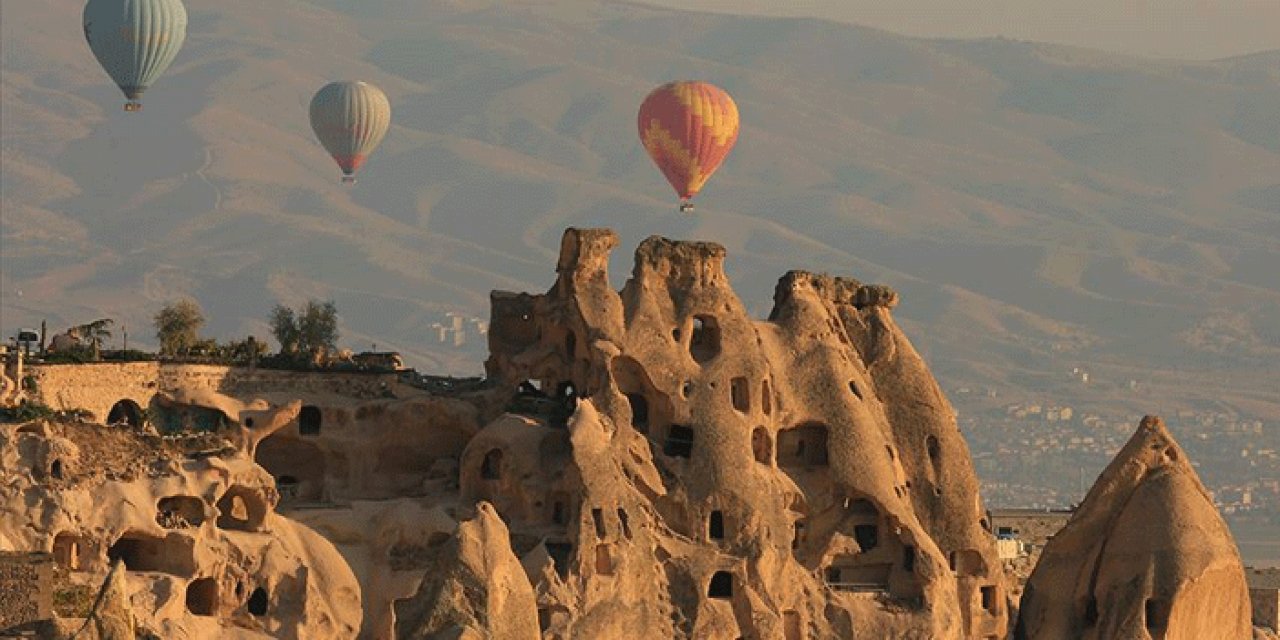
x,y
178,326
95,333
311,331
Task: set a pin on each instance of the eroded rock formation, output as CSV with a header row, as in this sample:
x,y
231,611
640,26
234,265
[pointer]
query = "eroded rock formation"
x,y
1146,555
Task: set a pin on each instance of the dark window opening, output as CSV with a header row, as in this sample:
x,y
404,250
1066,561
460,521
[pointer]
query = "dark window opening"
x,y
544,619
715,527
241,509
934,449
791,625
951,560
66,550
125,412
740,394
258,602
55,470
761,446
309,420
705,343
566,390
1157,614
571,344
491,467
798,536
597,516
805,445
1004,532
721,585
180,512
867,536
766,398
202,596
639,412
248,422
989,601
679,442
557,513
560,552
908,558
853,386
622,520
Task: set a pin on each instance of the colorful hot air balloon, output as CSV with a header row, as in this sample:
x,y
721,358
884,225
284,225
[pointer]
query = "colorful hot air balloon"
x,y
688,128
135,40
350,119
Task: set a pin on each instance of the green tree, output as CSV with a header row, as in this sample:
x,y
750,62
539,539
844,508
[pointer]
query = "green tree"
x,y
96,333
311,331
178,326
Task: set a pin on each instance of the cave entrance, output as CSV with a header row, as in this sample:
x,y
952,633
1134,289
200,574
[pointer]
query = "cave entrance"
x,y
803,446
141,552
679,443
304,462
202,597
68,549
125,412
180,512
704,344
241,509
721,586
258,601
761,446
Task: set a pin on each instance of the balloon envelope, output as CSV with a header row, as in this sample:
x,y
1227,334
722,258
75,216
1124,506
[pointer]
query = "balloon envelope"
x,y
135,40
688,128
350,119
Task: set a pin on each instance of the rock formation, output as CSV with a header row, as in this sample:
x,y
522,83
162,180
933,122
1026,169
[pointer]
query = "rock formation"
x,y
725,477
190,519
1146,555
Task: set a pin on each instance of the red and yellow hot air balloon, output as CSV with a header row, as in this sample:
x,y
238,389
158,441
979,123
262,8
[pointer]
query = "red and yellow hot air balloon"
x,y
688,128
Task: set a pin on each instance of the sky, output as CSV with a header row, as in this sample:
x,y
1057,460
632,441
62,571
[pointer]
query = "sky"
x,y
1186,29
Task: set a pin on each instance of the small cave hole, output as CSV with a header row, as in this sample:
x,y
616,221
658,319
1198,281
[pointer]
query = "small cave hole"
x,y
309,420
740,394
766,398
867,536
1091,612
258,602
491,467
571,344
853,388
544,619
934,449
762,446
715,526
679,443
1156,614
622,521
202,596
721,585
180,512
797,537
989,600
55,470
597,516
908,558
604,561
705,342
560,553
248,422
66,550
639,412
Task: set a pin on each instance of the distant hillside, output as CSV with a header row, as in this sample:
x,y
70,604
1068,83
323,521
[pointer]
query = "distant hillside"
x,y
1039,207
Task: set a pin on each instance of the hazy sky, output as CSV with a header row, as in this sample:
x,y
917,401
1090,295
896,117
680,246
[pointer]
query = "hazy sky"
x,y
1195,29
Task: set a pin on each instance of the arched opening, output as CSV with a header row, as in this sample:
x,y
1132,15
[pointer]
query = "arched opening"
x,y
309,420
992,604
933,448
705,342
740,394
180,512
967,562
258,602
639,412
721,585
491,467
300,460
202,596
125,412
241,509
762,446
141,552
715,526
55,469
679,443
803,446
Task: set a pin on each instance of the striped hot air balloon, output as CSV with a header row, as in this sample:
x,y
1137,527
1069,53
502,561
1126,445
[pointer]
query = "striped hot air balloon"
x,y
350,119
688,128
135,40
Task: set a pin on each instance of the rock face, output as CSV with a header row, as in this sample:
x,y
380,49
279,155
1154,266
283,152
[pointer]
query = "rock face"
x,y
190,520
725,477
1146,555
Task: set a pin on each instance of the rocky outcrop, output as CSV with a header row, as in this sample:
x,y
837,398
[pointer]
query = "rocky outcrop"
x,y
698,473
1146,555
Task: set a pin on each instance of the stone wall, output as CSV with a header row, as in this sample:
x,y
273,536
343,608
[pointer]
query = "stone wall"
x,y
98,386
26,588
1264,593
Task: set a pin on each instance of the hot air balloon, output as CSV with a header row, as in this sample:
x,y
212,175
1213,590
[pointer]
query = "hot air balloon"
x,y
350,119
135,40
688,128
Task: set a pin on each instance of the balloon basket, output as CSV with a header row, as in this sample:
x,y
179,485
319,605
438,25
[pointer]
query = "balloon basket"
x,y
132,106
348,179
686,207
